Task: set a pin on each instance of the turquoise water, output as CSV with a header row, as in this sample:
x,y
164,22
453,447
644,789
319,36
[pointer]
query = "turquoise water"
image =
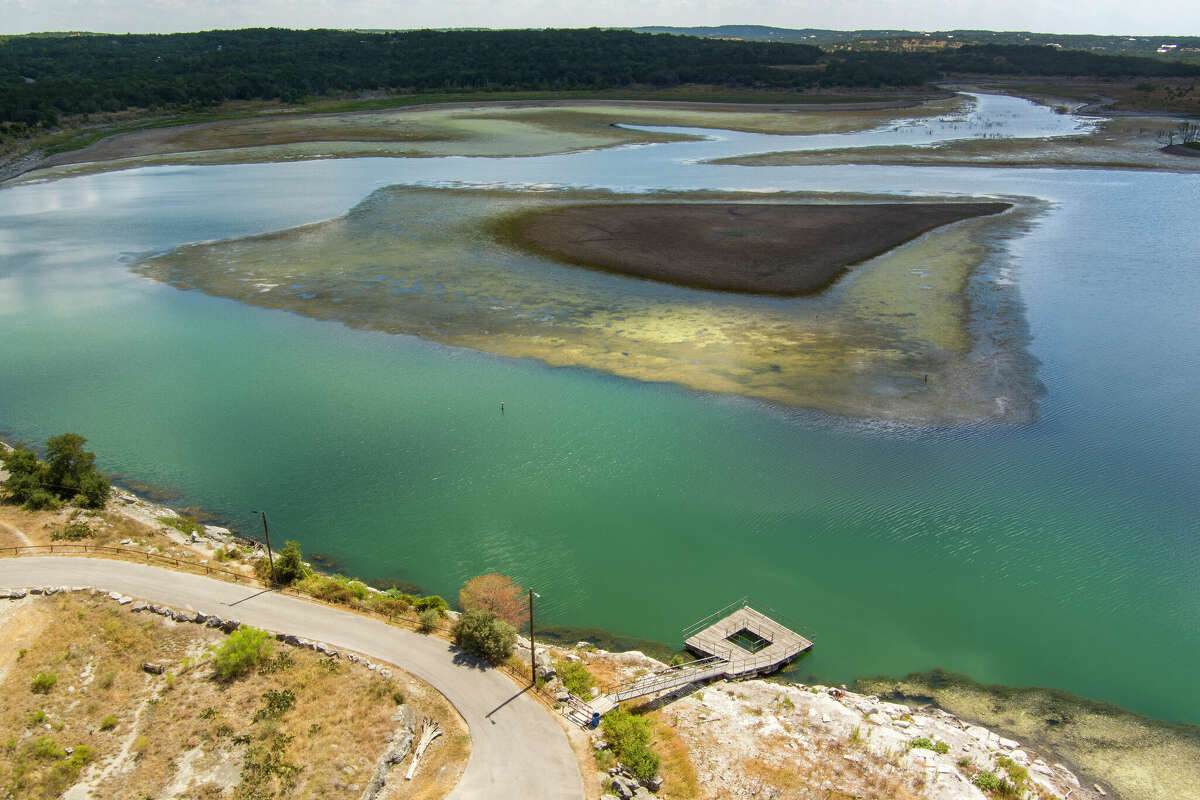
x,y
1062,553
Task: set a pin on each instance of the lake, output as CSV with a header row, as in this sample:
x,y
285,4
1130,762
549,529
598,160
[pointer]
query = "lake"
x,y
1062,553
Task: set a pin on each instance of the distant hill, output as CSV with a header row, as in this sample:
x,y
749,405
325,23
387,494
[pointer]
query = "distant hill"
x,y
1185,47
45,76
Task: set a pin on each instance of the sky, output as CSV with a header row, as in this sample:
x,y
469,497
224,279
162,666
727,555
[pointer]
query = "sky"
x,y
1178,17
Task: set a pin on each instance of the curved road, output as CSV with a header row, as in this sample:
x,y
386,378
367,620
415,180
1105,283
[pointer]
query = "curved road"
x,y
517,750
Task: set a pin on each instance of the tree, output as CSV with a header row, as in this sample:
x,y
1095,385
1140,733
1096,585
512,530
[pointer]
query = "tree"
x,y
25,475
482,633
498,594
66,463
68,473
289,567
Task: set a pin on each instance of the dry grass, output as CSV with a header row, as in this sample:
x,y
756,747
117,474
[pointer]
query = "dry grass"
x,y
675,758
184,728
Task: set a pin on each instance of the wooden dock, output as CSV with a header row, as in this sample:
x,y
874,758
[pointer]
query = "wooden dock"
x,y
759,644
735,642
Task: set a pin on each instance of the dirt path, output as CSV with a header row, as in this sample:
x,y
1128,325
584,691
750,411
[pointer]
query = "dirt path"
x,y
17,532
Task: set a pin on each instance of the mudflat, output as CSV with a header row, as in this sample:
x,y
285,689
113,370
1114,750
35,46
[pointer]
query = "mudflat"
x,y
761,248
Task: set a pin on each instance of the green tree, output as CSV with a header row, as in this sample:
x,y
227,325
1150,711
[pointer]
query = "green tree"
x,y
69,473
289,566
25,475
482,633
66,463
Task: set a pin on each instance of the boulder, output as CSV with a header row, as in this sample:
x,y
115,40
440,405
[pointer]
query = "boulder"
x,y
35,590
213,622
183,616
124,601
230,625
154,669
1008,744
139,606
162,611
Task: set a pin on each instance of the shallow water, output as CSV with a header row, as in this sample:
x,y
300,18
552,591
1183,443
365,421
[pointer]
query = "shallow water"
x,y
1061,553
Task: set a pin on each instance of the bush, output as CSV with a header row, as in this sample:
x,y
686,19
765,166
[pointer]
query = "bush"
x,y
989,782
244,650
73,532
331,590
108,723
481,633
275,704
43,682
428,620
925,743
575,677
432,601
387,605
629,737
44,748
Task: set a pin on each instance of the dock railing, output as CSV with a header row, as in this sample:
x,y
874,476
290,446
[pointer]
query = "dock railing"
x,y
700,625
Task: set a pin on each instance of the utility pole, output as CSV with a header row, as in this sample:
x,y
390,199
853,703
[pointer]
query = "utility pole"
x,y
532,646
270,555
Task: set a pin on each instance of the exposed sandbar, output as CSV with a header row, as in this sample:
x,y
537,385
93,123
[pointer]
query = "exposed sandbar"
x,y
926,333
759,248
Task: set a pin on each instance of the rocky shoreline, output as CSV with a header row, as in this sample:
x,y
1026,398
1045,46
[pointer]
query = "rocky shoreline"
x,y
761,738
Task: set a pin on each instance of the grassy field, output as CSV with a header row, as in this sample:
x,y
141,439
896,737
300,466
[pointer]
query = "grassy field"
x,y
79,709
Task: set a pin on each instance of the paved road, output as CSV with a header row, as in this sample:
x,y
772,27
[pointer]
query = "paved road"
x,y
517,749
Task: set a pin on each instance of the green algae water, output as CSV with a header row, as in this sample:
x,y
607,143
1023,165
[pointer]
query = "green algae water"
x,y
1061,553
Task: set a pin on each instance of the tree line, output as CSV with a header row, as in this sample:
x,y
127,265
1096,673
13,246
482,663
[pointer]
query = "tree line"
x,y
44,77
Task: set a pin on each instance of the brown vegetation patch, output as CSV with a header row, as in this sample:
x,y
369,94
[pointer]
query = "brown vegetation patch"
x,y
763,248
182,733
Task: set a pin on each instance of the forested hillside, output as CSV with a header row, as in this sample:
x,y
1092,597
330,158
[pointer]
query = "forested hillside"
x,y
43,77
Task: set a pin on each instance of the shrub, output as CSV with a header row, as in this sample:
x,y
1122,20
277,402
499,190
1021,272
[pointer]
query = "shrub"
x,y
73,532
45,748
275,704
43,682
575,677
925,743
244,650
629,737
37,717
387,605
989,782
328,589
481,633
429,619
432,601
108,723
